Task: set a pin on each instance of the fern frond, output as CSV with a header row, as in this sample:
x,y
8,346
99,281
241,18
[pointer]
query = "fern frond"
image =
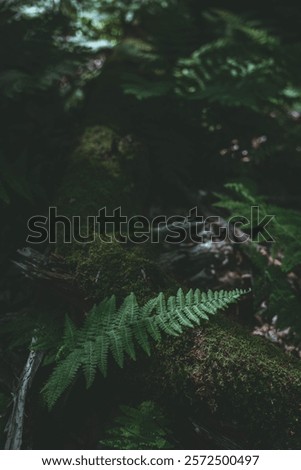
x,y
258,35
62,376
142,427
70,333
285,226
109,331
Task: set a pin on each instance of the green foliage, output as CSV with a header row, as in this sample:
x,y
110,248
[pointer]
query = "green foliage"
x,y
111,331
223,72
141,427
40,34
237,57
280,257
205,80
284,227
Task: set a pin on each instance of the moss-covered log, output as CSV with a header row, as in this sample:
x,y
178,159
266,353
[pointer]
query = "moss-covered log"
x,y
105,169
243,386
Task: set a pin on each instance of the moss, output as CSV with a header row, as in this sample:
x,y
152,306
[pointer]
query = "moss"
x,y
239,380
102,269
105,169
112,171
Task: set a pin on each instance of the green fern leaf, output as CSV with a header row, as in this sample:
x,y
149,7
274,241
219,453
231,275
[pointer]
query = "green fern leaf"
x,y
108,330
62,376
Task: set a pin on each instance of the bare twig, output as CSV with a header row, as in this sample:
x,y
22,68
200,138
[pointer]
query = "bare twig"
x,y
14,427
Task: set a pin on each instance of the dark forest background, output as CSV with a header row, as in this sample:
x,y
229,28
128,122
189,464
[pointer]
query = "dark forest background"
x,y
158,106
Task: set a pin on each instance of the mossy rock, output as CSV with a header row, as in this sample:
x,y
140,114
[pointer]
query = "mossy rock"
x,y
247,387
105,169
